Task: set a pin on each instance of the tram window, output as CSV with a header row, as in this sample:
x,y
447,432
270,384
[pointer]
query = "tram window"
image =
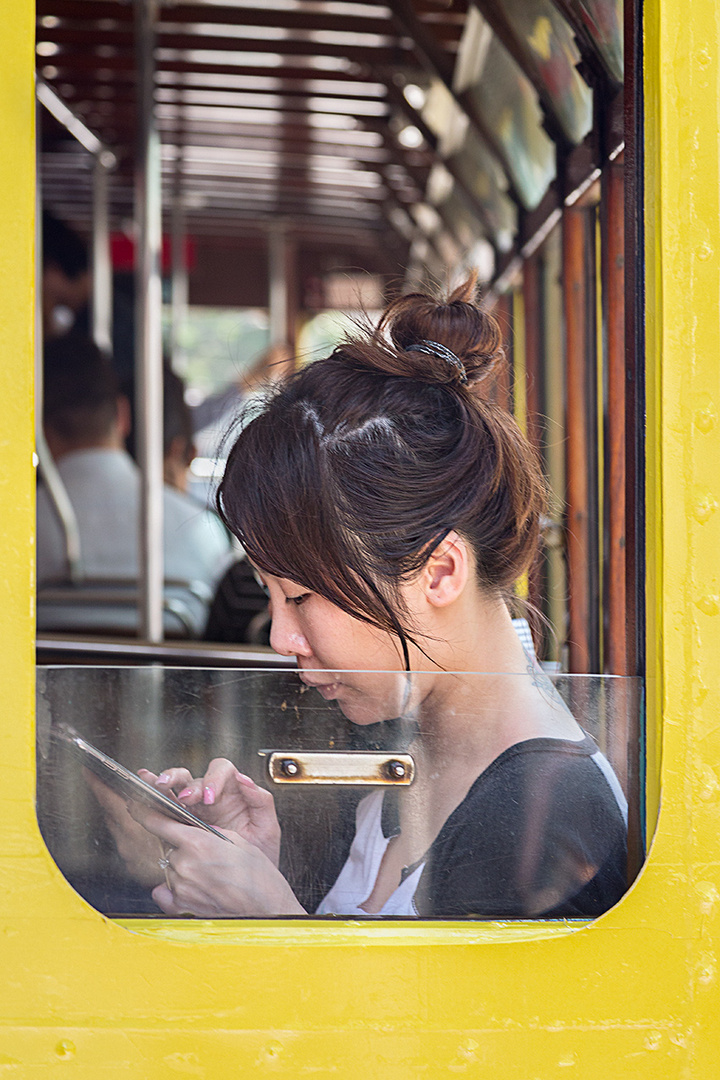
x,y
526,181
379,813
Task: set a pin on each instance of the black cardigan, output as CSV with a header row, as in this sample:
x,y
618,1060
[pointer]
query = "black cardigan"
x,y
540,834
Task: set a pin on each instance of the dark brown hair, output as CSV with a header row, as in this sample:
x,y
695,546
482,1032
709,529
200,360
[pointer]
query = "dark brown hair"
x,y
360,464
80,388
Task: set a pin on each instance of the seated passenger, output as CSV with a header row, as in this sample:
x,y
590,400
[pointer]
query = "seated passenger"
x,y
86,421
178,443
67,295
389,509
66,306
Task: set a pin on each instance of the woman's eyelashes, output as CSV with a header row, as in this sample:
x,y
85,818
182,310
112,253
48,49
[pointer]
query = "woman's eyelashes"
x,y
297,600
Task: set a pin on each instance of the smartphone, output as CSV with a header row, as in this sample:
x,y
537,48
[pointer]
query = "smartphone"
x,y
124,782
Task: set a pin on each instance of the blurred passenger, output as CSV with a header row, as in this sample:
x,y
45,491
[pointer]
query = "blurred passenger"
x,y
86,421
67,305
66,279
178,442
273,365
239,611
67,296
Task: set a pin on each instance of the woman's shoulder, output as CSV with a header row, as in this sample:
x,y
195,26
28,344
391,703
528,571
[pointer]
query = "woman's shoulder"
x,y
569,776
537,827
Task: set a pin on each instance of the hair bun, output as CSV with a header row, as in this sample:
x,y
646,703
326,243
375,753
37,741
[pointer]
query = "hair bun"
x,y
435,348
449,340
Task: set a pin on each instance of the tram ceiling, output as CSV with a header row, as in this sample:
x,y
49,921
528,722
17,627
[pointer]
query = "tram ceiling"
x,y
386,132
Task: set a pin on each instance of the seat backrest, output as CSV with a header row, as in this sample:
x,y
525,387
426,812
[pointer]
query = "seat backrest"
x,y
111,606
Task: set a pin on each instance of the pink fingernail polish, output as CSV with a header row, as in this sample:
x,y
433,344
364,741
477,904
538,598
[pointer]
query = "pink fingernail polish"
x,y
163,778
184,793
208,796
245,779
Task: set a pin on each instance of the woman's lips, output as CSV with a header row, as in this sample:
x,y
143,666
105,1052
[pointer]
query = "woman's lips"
x,y
327,689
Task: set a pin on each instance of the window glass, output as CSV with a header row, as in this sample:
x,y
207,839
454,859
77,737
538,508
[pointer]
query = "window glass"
x,y
602,21
548,47
507,102
429,794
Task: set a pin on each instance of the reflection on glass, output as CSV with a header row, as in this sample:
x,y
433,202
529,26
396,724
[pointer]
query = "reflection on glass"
x,y
549,49
480,175
507,101
489,795
509,104
602,21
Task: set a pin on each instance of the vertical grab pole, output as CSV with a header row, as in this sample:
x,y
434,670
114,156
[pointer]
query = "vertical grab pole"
x,y
278,266
179,274
148,329
48,469
101,263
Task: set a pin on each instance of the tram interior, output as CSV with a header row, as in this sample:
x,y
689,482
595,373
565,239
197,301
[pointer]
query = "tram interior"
x,y
245,181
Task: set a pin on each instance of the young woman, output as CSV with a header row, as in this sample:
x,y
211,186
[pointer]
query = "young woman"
x,y
389,509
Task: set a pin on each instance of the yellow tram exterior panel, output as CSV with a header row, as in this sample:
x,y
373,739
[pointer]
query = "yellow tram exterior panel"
x,y
637,993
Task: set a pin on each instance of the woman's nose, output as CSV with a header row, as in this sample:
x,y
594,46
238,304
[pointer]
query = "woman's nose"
x,y
285,637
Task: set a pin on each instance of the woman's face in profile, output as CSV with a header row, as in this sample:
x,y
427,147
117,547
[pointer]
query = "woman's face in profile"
x,y
348,661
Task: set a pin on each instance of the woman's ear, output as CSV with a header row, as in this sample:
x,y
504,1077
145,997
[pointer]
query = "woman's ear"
x,y
445,574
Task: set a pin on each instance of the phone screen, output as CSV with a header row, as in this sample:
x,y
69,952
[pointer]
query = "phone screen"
x,y
124,782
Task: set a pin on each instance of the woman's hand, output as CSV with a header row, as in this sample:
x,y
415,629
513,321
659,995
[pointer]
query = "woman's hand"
x,y
211,878
138,848
225,799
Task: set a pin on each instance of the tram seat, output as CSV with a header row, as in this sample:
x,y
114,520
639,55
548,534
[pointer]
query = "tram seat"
x,y
110,606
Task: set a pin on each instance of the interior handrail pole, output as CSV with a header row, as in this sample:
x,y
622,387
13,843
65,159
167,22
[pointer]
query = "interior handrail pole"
x,y
180,283
53,481
72,123
148,329
102,263
278,284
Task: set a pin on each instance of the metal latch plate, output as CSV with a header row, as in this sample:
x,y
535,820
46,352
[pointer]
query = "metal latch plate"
x,y
354,767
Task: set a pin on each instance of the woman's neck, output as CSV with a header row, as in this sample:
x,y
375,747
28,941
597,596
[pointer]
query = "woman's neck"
x,y
487,695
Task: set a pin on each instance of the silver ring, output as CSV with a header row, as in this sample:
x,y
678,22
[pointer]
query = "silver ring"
x,y
163,863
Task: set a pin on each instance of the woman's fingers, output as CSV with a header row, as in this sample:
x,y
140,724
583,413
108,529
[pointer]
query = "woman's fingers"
x,y
239,804
225,798
209,878
177,781
220,777
258,798
172,832
223,778
165,900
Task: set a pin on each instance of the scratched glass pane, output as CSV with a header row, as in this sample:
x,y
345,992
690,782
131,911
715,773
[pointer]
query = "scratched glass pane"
x,y
503,809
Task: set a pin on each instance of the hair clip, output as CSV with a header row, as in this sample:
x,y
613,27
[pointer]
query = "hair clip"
x,y
434,348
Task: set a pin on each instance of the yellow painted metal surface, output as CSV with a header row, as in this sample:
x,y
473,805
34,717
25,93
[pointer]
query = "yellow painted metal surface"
x,y
635,994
